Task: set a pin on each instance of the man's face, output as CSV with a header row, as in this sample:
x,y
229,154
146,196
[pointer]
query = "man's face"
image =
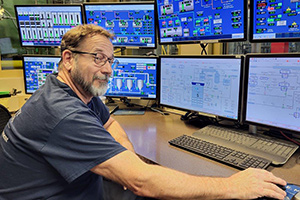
x,y
90,76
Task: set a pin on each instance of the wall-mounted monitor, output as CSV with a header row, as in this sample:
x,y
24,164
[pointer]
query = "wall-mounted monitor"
x,y
132,23
206,84
191,21
272,91
36,69
134,77
274,21
44,25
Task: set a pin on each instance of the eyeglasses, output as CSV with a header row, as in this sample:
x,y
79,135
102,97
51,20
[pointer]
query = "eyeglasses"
x,y
100,59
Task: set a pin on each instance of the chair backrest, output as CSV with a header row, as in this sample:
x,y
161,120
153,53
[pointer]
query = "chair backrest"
x,y
4,117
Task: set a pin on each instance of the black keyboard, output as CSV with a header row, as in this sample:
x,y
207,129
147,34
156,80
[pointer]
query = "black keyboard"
x,y
222,154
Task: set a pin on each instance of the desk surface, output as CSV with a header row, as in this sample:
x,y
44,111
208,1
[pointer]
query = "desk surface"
x,y
151,132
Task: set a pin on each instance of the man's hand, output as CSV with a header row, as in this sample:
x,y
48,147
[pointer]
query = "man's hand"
x,y
255,183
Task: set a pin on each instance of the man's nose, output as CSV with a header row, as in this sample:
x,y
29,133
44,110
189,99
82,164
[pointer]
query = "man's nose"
x,y
106,68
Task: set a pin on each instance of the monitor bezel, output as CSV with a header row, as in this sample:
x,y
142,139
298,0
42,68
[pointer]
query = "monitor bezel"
x,y
23,67
246,77
245,22
126,3
136,97
251,32
44,5
241,57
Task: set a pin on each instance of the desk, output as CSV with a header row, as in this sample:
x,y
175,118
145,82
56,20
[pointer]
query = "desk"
x,y
151,132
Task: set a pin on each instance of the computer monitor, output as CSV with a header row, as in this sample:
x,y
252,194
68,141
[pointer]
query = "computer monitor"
x,y
132,23
206,84
134,77
44,25
191,21
36,69
274,21
272,91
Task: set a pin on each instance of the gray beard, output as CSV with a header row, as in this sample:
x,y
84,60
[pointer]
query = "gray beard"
x,y
88,86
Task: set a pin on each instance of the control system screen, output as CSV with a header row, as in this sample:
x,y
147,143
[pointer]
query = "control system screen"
x,y
45,25
36,70
134,77
133,24
194,20
275,19
208,85
273,93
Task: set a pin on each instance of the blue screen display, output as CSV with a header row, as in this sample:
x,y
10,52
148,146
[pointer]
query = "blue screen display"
x,y
192,20
36,70
275,19
132,24
134,77
45,25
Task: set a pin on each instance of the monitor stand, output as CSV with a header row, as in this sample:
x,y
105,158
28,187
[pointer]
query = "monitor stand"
x,y
195,119
130,108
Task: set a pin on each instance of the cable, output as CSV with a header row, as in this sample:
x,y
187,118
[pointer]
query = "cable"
x,y
156,110
287,137
150,54
203,46
11,17
148,103
120,50
163,50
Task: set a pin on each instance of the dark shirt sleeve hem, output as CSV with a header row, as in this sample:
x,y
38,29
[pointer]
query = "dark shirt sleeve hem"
x,y
93,164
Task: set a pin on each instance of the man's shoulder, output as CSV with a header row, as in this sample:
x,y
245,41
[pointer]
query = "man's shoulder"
x,y
54,99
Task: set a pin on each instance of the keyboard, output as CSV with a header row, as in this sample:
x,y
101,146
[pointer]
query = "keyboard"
x,y
273,149
222,154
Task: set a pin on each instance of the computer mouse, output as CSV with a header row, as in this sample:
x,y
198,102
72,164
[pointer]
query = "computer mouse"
x,y
297,196
292,192
283,187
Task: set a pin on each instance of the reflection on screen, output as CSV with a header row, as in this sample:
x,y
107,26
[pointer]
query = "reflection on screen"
x,y
209,85
45,25
134,77
132,24
276,19
190,20
36,70
273,95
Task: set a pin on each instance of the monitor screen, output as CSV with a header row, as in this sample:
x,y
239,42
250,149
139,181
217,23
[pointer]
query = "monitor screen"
x,y
134,77
36,69
274,20
206,84
44,25
273,91
190,21
132,23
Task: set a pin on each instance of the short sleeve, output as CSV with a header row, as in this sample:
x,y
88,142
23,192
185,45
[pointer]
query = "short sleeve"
x,y
100,109
77,144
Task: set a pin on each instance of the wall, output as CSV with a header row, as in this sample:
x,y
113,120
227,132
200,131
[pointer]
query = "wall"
x,y
10,79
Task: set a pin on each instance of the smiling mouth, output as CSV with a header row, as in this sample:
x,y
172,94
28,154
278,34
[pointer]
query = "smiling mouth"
x,y
102,80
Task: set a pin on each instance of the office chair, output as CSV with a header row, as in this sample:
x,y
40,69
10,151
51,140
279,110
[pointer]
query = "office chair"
x,y
4,117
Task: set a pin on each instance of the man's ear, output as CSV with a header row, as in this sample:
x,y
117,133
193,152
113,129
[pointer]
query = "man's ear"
x,y
68,59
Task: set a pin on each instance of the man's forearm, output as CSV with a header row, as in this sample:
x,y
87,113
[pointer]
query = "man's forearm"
x,y
163,183
118,133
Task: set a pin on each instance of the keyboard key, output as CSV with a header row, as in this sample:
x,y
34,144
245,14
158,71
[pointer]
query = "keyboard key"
x,y
225,155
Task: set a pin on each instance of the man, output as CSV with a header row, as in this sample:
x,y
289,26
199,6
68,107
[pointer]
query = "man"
x,y
63,141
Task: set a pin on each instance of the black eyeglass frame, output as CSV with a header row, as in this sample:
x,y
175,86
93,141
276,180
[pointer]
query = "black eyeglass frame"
x,y
112,61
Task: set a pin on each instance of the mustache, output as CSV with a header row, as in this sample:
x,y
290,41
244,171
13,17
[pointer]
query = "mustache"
x,y
104,77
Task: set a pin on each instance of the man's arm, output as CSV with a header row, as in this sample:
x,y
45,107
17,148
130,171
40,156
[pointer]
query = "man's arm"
x,y
118,133
163,183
